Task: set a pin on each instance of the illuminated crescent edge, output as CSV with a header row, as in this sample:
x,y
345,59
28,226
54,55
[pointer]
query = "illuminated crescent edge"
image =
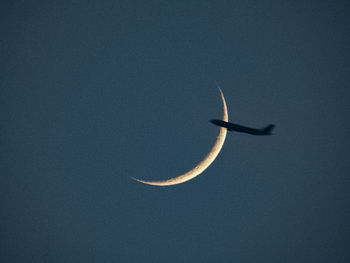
x,y
204,164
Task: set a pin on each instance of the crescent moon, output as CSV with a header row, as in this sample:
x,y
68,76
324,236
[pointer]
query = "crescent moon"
x,y
204,164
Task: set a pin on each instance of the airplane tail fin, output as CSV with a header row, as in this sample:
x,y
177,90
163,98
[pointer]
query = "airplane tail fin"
x,y
268,128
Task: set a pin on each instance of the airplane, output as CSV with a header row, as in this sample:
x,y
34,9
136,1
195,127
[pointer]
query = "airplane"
x,y
239,128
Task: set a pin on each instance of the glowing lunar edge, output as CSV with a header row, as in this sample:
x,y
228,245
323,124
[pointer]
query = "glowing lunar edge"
x,y
203,165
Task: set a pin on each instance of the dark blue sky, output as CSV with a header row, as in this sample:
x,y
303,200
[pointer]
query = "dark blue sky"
x,y
93,92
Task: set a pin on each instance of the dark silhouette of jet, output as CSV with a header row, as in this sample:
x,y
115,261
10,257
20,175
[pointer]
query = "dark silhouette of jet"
x,y
239,128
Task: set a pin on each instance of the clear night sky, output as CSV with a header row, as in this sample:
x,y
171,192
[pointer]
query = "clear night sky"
x,y
93,92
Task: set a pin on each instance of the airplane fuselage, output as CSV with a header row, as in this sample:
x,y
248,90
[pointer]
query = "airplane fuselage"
x,y
239,128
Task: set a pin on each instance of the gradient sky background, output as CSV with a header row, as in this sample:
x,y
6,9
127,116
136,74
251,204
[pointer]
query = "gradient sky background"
x,y
93,92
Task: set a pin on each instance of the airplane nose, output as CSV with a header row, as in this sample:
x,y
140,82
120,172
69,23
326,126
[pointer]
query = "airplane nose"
x,y
216,122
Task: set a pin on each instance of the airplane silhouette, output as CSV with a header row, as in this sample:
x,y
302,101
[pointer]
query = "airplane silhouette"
x,y
239,128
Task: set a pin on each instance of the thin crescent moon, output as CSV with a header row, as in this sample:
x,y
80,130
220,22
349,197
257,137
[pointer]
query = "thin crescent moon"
x,y
204,164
